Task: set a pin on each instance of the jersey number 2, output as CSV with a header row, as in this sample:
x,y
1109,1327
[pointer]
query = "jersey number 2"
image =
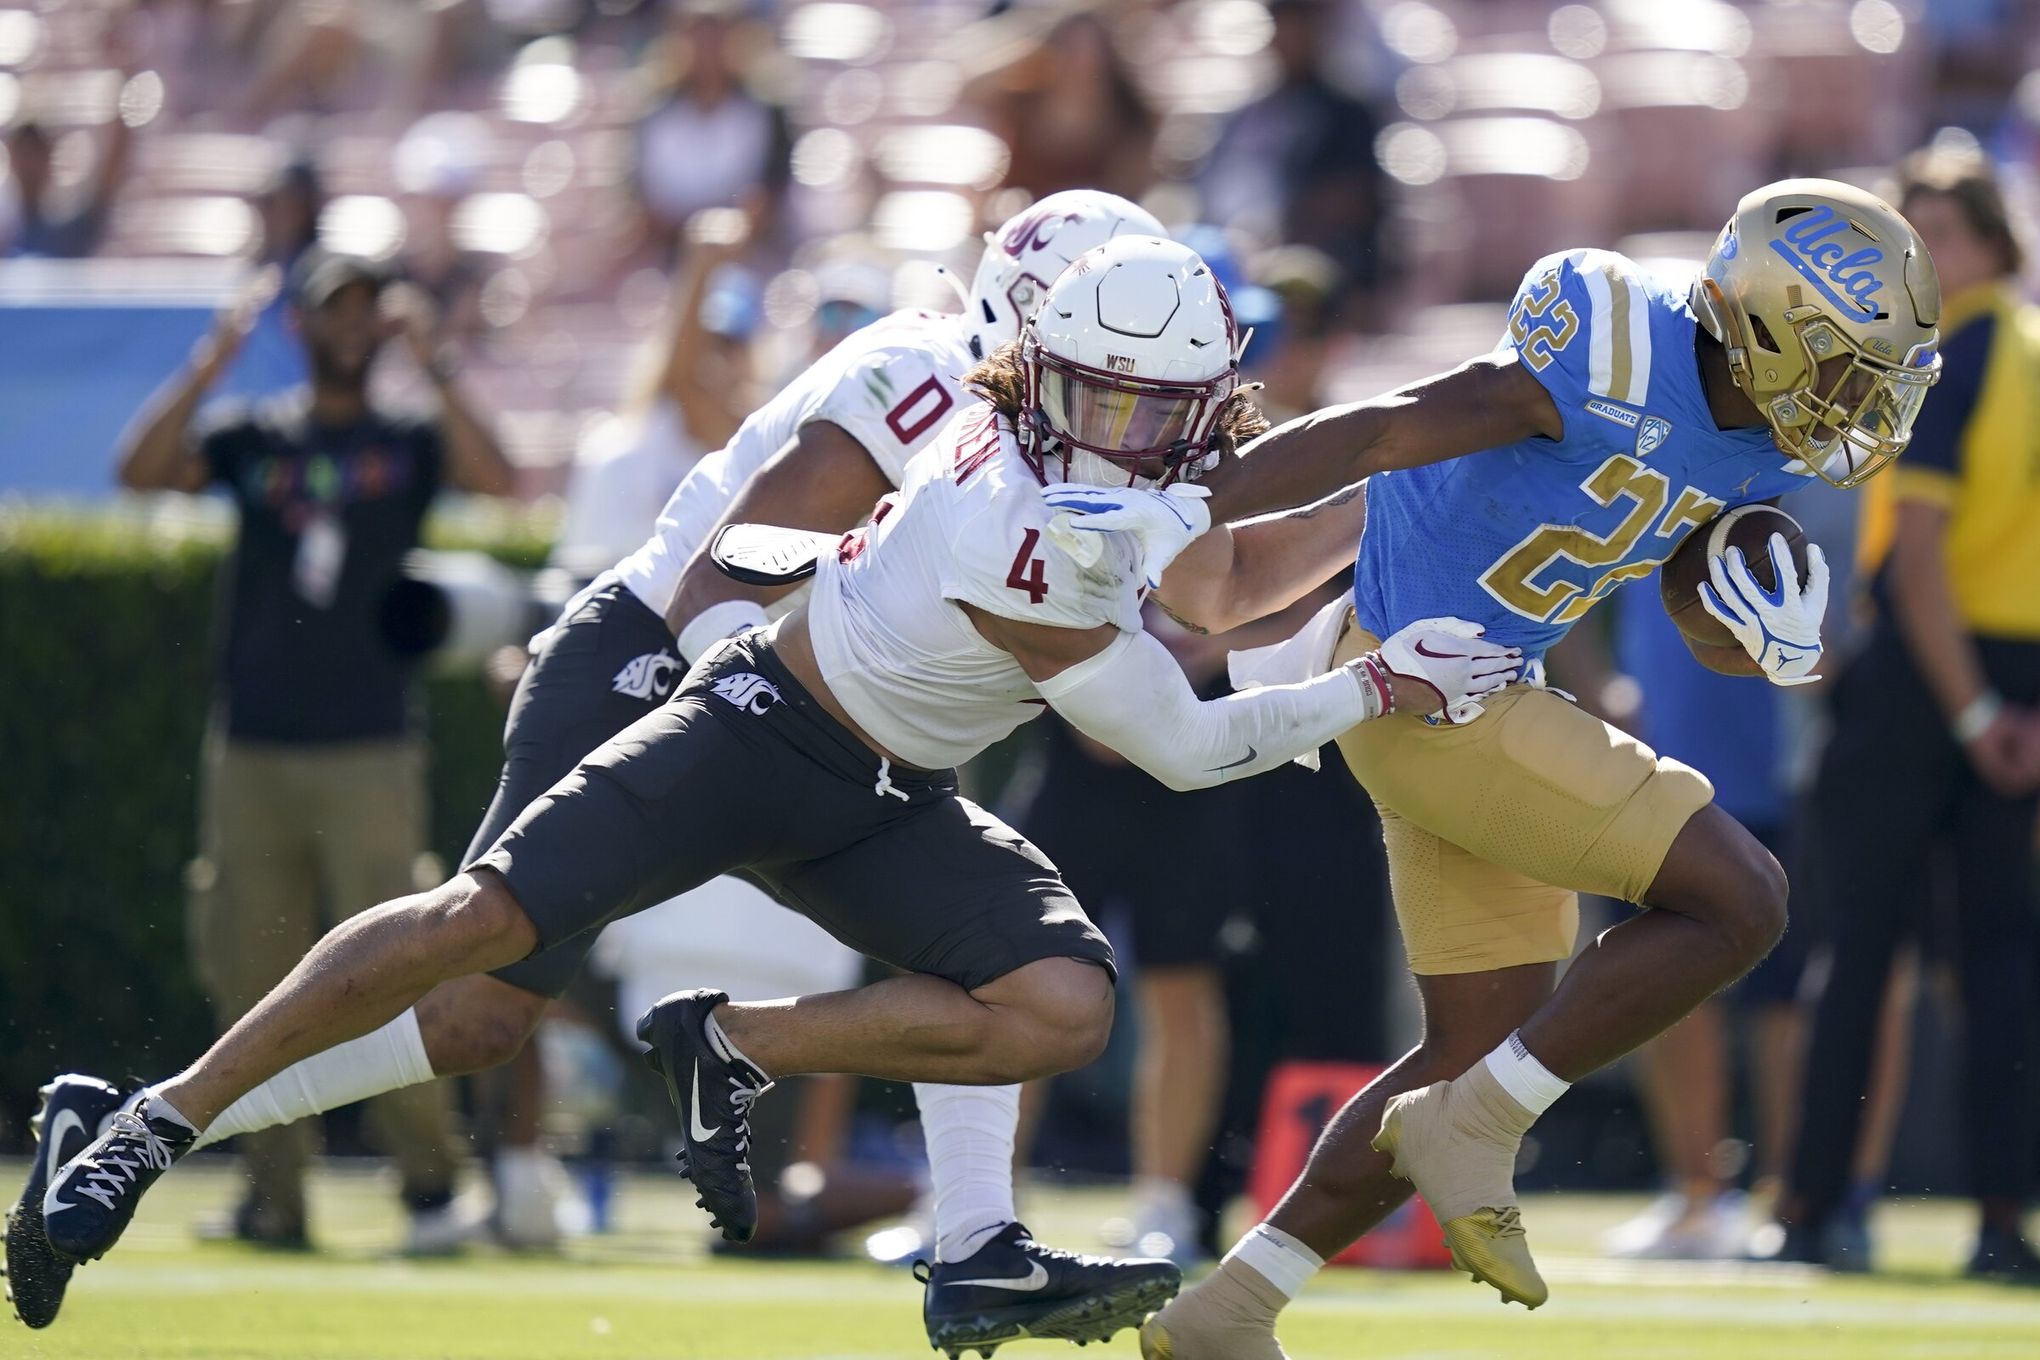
x,y
1519,579
1556,325
1029,573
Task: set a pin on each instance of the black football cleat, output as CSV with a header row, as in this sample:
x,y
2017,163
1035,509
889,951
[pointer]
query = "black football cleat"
x,y
74,1108
93,1197
713,1090
1013,1289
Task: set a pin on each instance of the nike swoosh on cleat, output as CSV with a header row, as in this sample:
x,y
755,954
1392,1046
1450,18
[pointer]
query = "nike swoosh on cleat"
x,y
1035,1280
53,1140
694,1128
1234,764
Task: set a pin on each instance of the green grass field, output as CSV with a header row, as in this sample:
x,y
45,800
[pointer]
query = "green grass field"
x,y
648,1292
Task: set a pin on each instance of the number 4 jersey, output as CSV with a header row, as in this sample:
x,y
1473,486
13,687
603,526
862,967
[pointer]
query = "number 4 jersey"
x,y
1527,537
890,386
967,526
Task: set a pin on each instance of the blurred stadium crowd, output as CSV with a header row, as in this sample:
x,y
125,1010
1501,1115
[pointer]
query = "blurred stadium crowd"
x,y
636,219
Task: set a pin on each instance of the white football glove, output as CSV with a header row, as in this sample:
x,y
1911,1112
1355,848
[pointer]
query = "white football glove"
x,y
1779,629
1449,657
1164,521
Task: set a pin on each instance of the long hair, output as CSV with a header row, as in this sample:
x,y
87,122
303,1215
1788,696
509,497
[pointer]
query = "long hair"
x,y
1001,379
1966,177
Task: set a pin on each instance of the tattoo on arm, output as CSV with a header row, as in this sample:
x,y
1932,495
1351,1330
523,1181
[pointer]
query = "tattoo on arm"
x,y
1337,498
1182,622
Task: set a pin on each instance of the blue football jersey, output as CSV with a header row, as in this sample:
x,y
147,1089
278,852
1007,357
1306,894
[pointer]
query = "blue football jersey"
x,y
1526,537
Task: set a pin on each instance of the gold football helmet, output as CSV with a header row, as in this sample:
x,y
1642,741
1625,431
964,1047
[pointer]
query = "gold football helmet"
x,y
1812,270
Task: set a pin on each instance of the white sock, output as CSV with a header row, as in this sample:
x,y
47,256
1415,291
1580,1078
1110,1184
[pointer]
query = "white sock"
x,y
1529,1082
160,1108
720,1042
387,1059
969,1131
1281,1259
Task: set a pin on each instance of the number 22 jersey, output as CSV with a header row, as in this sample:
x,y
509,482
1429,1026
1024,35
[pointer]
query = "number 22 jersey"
x,y
1527,537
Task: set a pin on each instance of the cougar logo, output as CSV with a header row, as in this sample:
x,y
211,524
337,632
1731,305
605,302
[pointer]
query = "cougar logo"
x,y
1810,247
647,677
1036,231
1656,430
752,693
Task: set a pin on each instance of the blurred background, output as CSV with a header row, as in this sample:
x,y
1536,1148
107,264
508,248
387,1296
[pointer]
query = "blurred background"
x,y
632,220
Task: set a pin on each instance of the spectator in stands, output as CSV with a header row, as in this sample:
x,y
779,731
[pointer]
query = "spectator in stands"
x,y
713,137
1297,165
438,164
289,204
36,218
691,390
1936,744
312,794
1070,113
271,356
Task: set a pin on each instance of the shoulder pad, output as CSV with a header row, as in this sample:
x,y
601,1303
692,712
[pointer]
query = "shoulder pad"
x,y
1580,321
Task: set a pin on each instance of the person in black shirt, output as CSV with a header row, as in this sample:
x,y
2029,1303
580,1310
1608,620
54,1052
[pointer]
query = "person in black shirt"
x,y
313,791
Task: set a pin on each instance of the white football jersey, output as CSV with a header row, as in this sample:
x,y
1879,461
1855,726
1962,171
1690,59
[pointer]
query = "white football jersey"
x,y
891,386
967,524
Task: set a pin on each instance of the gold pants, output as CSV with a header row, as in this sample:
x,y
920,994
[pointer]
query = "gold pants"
x,y
1494,828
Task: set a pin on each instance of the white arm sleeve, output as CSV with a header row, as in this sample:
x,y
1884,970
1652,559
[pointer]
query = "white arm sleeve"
x,y
1134,698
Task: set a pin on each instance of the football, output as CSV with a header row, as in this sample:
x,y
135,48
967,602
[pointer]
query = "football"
x,y
1748,527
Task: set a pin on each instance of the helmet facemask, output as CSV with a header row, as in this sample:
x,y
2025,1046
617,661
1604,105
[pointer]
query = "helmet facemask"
x,y
1844,428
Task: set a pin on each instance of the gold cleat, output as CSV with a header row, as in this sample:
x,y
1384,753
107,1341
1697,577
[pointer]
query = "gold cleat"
x,y
1453,1141
1490,1245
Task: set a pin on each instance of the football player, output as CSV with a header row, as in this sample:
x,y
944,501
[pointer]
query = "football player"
x,y
818,454
1619,413
814,755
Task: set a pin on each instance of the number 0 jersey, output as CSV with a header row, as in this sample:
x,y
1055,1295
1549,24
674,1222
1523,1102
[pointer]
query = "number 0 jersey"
x,y
890,385
1527,537
968,525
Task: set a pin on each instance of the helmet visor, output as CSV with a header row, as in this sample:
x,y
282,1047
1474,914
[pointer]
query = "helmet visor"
x,y
1863,421
1119,416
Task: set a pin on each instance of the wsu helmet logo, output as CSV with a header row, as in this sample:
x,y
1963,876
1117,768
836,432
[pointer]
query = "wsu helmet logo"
x,y
752,693
1035,231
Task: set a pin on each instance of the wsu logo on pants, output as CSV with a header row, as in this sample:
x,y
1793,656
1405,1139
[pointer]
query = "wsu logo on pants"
x,y
647,677
752,693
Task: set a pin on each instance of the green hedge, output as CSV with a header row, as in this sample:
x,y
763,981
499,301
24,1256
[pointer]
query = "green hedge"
x,y
105,673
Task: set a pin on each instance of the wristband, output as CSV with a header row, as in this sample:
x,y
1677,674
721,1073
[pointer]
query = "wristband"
x,y
723,619
1375,689
1976,716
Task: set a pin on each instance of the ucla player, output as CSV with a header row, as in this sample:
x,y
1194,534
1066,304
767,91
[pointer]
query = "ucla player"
x,y
1618,414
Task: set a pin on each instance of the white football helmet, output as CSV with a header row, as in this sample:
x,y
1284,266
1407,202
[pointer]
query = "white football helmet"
x,y
1129,362
1025,255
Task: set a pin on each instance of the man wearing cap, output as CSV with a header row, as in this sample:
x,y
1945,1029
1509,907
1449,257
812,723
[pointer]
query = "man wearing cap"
x,y
312,795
